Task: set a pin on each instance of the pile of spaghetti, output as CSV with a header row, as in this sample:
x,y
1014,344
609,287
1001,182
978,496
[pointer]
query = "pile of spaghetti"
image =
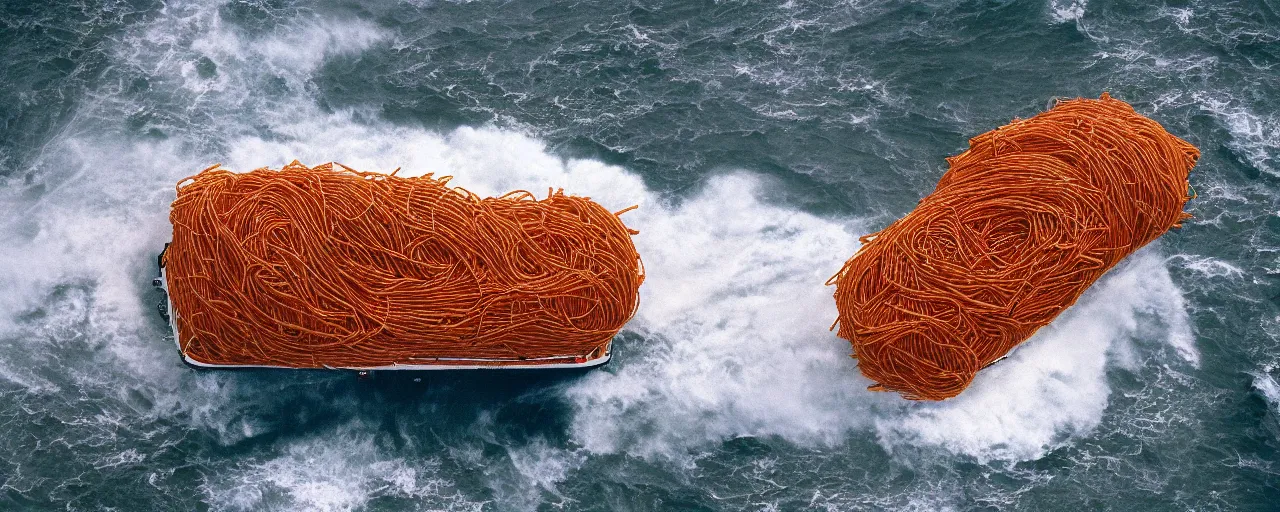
x,y
327,266
1016,230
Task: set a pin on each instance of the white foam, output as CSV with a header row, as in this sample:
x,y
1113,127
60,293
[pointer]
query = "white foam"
x,y
1269,388
1256,138
27,379
536,469
1208,266
300,46
486,161
543,464
1180,15
736,305
91,231
1062,11
127,457
1053,388
172,50
338,470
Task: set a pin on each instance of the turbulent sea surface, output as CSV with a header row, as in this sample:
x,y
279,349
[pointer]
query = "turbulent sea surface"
x,y
760,139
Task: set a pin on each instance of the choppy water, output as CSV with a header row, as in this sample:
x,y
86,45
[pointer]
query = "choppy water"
x,y
760,140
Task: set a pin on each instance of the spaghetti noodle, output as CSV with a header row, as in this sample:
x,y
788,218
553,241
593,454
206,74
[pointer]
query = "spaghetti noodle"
x,y
1015,231
331,267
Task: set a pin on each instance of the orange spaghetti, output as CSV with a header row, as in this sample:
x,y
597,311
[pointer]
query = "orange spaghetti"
x,y
1019,226
331,267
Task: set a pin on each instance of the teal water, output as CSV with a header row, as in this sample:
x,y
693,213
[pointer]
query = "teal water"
x,y
760,141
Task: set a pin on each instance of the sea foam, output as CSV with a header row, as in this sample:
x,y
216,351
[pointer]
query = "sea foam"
x,y
1054,387
337,471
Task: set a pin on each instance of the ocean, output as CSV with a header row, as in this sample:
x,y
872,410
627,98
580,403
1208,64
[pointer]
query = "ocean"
x,y
760,139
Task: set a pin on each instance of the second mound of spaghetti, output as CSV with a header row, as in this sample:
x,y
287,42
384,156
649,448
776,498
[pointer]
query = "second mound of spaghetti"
x,y
326,266
1022,223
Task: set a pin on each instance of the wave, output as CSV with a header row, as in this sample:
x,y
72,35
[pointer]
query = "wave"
x,y
341,469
